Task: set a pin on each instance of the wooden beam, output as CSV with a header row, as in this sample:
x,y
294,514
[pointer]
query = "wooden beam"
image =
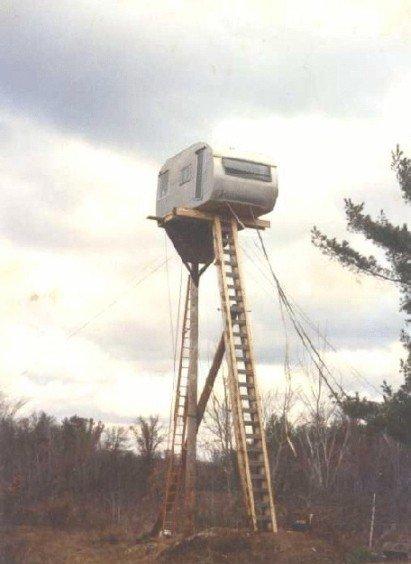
x,y
189,213
191,437
197,214
209,383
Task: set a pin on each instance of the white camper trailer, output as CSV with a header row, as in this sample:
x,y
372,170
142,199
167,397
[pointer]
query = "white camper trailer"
x,y
203,179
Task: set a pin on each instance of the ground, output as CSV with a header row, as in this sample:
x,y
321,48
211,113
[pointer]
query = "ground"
x,y
46,545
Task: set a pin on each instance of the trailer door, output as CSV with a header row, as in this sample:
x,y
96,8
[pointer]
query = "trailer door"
x,y
199,177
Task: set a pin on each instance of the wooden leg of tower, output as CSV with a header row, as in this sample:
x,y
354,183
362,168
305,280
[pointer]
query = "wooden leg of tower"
x,y
191,450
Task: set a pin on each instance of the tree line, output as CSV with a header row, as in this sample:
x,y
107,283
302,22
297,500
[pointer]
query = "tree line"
x,y
75,472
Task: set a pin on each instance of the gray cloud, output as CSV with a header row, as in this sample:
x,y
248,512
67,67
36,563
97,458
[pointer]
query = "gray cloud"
x,y
123,85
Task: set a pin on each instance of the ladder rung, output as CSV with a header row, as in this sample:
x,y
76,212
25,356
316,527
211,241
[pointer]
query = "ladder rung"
x,y
264,518
254,449
256,462
238,301
250,434
261,488
253,435
255,453
254,423
262,505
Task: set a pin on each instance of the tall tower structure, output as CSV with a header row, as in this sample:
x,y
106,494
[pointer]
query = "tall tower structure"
x,y
204,199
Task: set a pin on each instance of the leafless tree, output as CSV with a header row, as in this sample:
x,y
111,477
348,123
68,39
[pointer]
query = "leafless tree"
x,y
218,423
149,434
324,433
115,438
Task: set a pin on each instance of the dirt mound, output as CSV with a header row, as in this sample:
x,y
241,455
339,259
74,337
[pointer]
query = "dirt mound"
x,y
227,545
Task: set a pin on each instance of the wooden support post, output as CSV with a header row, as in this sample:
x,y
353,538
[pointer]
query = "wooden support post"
x,y
191,452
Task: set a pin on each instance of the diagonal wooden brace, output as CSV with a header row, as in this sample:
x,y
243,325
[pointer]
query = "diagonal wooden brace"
x,y
209,383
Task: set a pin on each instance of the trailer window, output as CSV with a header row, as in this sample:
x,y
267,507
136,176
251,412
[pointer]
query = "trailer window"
x,y
247,169
185,175
162,184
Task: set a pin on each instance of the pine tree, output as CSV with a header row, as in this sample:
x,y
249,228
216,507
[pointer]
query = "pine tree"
x,y
393,415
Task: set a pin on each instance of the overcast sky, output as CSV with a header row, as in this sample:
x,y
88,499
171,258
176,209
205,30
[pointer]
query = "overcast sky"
x,y
95,94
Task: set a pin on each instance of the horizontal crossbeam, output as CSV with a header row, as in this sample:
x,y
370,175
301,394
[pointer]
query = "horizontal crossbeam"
x,y
189,213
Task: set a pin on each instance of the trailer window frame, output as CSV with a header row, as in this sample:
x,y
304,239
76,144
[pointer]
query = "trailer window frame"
x,y
186,174
261,172
163,184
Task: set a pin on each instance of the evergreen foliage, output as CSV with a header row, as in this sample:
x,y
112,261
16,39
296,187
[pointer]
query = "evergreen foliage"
x,y
393,414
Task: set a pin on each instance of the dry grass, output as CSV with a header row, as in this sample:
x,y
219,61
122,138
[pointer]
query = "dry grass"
x,y
35,545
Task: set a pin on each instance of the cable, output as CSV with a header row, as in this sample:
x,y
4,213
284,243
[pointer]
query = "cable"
x,y
115,301
170,310
354,372
135,282
305,339
304,317
307,342
178,317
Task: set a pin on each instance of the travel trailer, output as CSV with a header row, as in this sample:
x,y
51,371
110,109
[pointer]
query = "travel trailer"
x,y
204,179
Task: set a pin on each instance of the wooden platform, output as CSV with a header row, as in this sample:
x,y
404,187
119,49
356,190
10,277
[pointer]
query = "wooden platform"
x,y
189,213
